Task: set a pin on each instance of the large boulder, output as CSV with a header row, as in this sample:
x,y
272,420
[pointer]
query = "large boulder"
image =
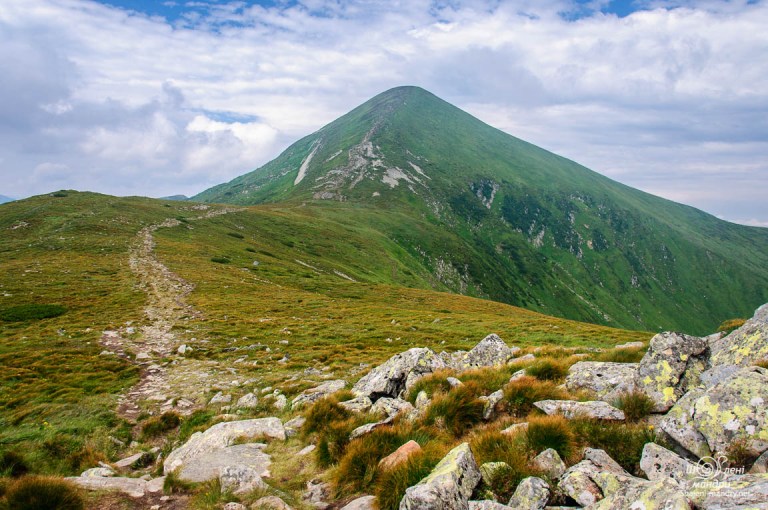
x,y
449,486
391,407
579,481
595,409
732,492
672,366
532,493
398,374
489,352
746,345
220,437
312,395
658,495
658,463
707,421
549,464
607,380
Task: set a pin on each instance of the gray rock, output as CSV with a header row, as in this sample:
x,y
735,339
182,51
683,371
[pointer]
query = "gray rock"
x,y
706,422
220,398
368,428
761,464
658,463
745,491
357,405
183,348
630,345
489,407
361,503
595,409
550,464
422,401
517,375
280,402
391,407
136,460
221,436
133,487
317,494
270,503
578,481
486,504
293,426
398,374
312,395
606,380
490,351
240,479
746,345
455,383
449,486
516,428
532,493
307,450
718,374
248,401
234,506
639,494
209,466
98,472
527,357
672,366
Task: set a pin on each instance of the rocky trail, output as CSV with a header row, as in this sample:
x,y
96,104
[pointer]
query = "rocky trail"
x,y
163,385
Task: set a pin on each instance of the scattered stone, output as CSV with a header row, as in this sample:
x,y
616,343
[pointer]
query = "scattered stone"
x,y
490,351
368,428
398,374
400,455
312,395
746,345
248,401
606,380
578,481
489,407
220,398
143,356
517,375
234,506
630,345
449,486
209,465
487,504
516,428
133,487
532,494
280,402
659,495
136,460
422,401
221,436
455,383
271,503
183,349
293,426
240,479
361,503
98,472
317,493
550,464
391,407
595,409
706,421
672,366
357,404
307,450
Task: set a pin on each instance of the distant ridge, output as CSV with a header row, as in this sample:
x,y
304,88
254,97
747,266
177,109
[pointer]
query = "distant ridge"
x,y
4,199
490,215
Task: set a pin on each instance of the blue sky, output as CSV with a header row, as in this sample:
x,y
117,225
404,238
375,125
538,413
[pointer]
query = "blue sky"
x,y
156,98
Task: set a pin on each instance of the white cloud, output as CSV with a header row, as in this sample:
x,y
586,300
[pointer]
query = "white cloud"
x,y
674,101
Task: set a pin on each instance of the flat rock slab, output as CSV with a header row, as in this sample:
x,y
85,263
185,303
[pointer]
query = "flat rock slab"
x,y
607,380
210,465
133,487
595,409
361,503
314,394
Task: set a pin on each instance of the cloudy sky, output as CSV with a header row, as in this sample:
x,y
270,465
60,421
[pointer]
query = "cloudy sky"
x,y
153,97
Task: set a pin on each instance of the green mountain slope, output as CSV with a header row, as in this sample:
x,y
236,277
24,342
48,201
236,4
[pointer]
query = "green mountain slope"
x,y
485,214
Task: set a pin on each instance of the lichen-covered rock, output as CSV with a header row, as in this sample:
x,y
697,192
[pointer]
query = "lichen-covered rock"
x,y
312,395
489,470
642,495
220,436
293,426
745,491
532,493
487,504
578,482
271,503
672,366
658,463
490,351
317,494
391,407
760,465
400,455
706,422
746,345
549,464
596,409
248,401
240,479
221,398
98,472
449,486
718,374
357,404
489,404
398,374
607,380
422,401
368,428
208,466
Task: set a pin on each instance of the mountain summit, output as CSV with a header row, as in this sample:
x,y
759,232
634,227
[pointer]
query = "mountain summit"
x,y
490,215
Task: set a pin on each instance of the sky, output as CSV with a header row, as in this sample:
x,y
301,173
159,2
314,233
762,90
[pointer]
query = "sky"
x,y
157,98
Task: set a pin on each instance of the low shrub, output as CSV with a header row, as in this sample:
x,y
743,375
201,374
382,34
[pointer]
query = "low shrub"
x,y
236,235
730,325
220,260
550,432
160,424
520,395
636,405
42,493
252,250
456,411
31,312
548,370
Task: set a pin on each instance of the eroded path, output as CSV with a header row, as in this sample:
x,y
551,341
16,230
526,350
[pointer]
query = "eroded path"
x,y
163,384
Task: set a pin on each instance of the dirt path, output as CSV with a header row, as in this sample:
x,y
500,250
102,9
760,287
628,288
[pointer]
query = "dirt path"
x,y
155,340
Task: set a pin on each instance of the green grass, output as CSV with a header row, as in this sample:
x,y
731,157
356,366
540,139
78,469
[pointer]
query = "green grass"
x,y
41,493
31,312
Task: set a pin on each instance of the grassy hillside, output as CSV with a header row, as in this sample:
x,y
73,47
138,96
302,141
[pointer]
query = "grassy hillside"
x,y
58,391
489,215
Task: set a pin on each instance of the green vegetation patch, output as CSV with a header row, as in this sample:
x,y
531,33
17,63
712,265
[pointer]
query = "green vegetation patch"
x,y
31,312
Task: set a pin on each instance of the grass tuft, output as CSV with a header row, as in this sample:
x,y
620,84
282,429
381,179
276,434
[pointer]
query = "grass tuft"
x,y
550,432
520,395
42,493
636,405
12,464
160,425
624,442
548,369
392,483
512,449
457,411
